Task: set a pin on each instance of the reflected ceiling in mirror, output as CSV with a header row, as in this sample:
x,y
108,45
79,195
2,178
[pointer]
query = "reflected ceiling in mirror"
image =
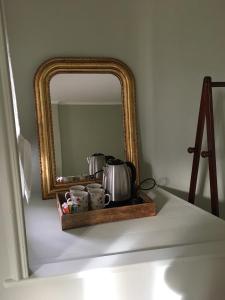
x,y
87,118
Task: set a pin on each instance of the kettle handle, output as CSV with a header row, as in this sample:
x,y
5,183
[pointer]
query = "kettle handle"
x,y
133,171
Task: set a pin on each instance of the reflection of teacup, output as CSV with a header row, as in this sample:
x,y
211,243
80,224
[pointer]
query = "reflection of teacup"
x,y
93,186
97,198
77,199
77,187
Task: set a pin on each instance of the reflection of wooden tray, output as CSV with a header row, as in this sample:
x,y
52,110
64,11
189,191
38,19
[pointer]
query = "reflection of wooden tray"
x,y
112,214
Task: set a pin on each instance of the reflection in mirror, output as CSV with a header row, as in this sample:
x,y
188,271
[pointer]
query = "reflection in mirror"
x,y
84,106
87,118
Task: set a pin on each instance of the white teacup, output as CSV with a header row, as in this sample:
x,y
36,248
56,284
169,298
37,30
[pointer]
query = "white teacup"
x,y
97,198
93,186
79,199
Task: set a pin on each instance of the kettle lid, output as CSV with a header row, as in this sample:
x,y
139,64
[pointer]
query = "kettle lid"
x,y
98,154
115,162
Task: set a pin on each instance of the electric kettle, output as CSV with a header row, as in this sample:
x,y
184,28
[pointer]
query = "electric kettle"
x,y
119,179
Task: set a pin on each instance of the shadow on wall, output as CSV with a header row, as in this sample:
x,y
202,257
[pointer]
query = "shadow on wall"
x,y
147,169
203,189
219,120
145,166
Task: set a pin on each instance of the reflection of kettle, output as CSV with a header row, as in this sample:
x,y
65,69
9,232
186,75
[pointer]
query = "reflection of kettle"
x,y
96,163
119,179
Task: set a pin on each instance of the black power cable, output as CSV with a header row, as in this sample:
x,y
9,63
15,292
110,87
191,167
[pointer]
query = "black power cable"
x,y
151,186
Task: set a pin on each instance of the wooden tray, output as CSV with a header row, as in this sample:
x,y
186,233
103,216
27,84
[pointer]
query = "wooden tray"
x,y
92,217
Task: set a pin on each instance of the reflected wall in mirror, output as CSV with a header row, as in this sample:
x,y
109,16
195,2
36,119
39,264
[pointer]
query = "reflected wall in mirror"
x,y
87,118
84,106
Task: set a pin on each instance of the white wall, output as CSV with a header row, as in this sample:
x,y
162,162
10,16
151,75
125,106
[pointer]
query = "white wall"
x,y
188,43
169,46
39,30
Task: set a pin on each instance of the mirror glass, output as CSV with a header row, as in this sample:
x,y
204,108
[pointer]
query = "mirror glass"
x,y
87,118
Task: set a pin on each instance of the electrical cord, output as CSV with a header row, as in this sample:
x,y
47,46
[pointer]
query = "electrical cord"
x,y
153,184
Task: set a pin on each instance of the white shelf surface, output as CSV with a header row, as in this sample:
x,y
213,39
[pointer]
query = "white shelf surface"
x,y
179,229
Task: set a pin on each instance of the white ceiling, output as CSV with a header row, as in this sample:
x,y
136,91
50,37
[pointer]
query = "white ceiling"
x,y
85,89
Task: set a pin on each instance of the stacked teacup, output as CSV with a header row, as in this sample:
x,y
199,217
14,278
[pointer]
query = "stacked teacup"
x,y
97,196
80,198
77,199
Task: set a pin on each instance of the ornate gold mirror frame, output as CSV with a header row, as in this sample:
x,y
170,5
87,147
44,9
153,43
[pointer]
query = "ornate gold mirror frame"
x,y
44,117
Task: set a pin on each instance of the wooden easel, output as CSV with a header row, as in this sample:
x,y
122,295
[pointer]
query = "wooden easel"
x,y
205,115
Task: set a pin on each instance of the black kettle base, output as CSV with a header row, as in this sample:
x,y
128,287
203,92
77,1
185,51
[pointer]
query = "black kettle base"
x,y
133,201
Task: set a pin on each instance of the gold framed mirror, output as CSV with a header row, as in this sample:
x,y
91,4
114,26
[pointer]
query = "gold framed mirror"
x,y
77,90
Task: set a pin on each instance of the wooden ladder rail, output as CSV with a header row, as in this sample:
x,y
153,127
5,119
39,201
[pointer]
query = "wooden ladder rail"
x,y
205,116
